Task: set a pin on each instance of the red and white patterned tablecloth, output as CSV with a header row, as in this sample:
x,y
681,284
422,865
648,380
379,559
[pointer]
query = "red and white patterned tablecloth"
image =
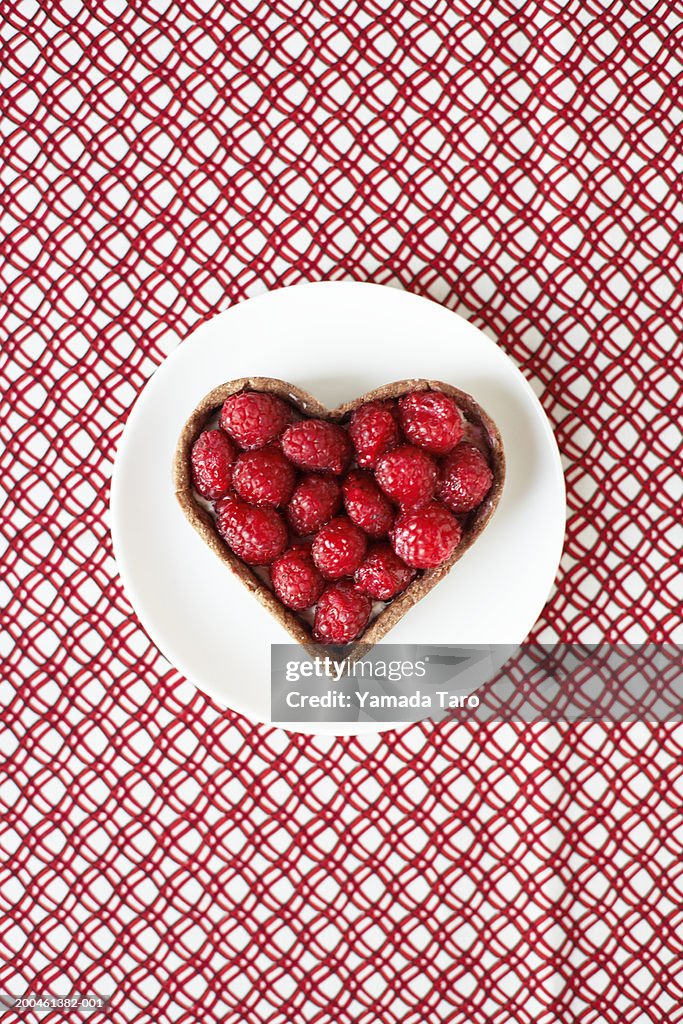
x,y
519,162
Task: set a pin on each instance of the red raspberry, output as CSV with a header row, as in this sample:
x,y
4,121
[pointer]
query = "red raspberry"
x,y
466,479
254,418
365,504
431,420
383,575
213,454
426,537
264,477
296,581
341,614
318,446
256,535
339,548
408,475
225,507
315,500
374,431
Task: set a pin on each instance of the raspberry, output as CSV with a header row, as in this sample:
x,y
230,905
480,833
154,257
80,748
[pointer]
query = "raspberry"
x,y
318,446
383,575
408,475
256,535
341,614
426,537
264,477
213,454
254,418
374,431
339,548
365,504
225,507
295,579
466,479
314,501
431,420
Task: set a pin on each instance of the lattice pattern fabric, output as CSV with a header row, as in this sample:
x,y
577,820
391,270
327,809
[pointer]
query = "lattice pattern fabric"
x,y
520,162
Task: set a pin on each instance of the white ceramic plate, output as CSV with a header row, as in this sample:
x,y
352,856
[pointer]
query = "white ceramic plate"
x,y
336,340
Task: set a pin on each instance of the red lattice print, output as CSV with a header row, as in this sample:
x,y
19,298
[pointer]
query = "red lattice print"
x,y
519,162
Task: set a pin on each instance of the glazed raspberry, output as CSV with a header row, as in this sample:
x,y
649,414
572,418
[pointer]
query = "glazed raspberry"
x,y
408,475
426,537
227,506
254,418
318,446
256,535
466,479
365,504
431,420
374,431
339,548
383,575
213,454
264,477
341,614
295,579
314,501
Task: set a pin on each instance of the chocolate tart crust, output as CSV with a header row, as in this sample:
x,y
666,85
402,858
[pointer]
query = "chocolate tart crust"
x,y
204,524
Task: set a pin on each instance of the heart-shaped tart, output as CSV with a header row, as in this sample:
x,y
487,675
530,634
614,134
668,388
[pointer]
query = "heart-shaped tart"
x,y
339,520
